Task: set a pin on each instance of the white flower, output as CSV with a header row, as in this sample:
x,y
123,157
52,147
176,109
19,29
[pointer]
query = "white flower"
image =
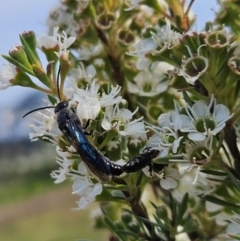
x,y
202,120
7,74
143,47
135,129
62,42
111,98
233,226
197,154
45,126
167,137
119,119
165,37
90,51
81,72
151,82
169,180
87,190
88,103
65,166
142,63
59,17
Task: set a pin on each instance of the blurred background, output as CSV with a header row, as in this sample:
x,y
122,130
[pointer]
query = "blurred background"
x,y
32,207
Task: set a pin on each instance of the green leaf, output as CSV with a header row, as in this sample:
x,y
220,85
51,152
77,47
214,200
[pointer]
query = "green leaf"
x,y
237,237
52,100
139,180
218,201
165,160
31,55
110,223
153,204
112,226
120,187
187,99
18,64
235,181
126,232
213,172
182,208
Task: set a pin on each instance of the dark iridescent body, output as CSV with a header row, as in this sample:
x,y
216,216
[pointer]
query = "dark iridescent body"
x,y
99,165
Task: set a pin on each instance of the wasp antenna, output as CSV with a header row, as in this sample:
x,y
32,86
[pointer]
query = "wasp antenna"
x,y
41,108
58,77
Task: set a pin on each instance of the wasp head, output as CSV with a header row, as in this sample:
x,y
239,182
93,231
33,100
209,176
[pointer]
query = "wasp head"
x,y
60,106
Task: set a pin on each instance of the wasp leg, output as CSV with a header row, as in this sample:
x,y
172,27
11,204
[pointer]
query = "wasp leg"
x,y
88,133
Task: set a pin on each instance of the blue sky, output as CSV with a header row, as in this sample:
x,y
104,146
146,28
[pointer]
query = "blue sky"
x,y
17,16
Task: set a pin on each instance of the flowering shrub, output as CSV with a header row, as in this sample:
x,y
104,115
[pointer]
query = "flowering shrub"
x,y
146,81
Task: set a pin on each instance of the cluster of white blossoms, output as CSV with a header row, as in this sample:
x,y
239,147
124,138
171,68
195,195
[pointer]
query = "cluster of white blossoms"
x,y
200,122
89,103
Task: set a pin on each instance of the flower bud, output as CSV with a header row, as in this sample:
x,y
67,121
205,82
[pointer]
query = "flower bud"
x,y
18,54
30,38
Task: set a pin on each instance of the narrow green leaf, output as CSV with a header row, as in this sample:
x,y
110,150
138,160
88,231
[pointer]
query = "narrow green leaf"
x,y
187,99
147,221
31,55
219,180
235,181
182,208
153,204
17,64
109,222
126,232
113,227
218,201
213,172
165,160
139,180
237,237
52,100
120,187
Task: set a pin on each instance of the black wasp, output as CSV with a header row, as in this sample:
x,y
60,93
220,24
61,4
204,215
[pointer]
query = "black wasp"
x,y
98,164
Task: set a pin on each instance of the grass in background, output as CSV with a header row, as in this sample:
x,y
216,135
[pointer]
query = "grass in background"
x,y
32,207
